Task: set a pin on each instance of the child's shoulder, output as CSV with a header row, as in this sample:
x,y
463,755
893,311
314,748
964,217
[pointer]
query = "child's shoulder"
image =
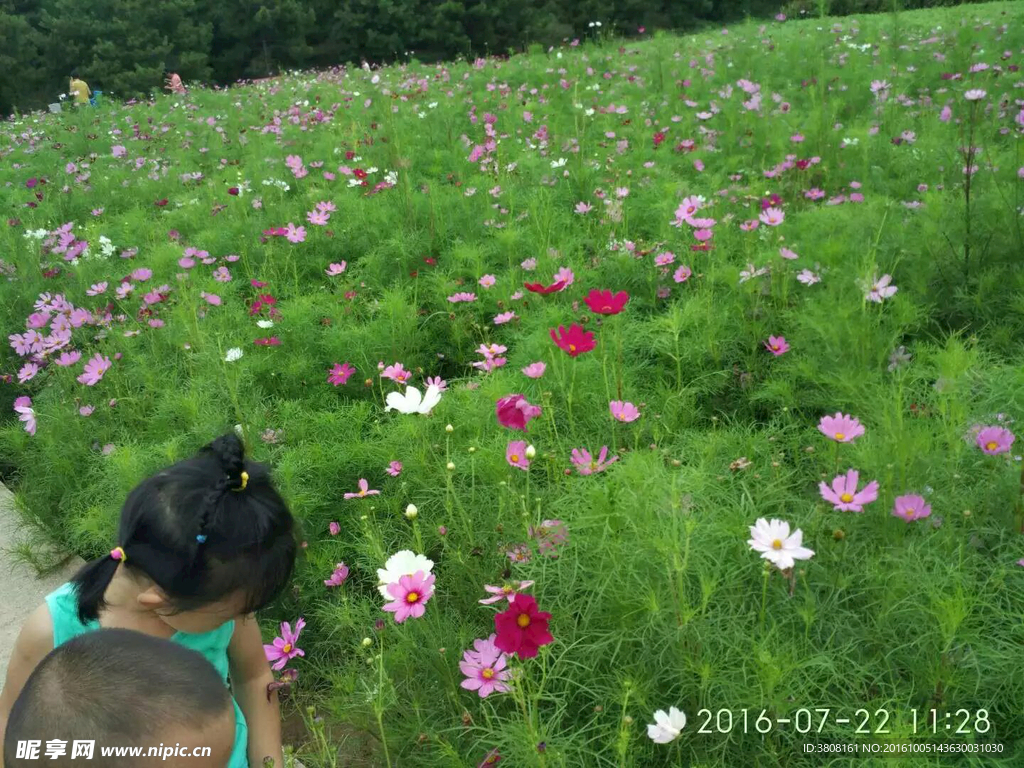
x,y
36,637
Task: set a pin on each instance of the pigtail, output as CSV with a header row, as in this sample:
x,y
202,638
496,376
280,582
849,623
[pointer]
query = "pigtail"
x,y
91,582
230,455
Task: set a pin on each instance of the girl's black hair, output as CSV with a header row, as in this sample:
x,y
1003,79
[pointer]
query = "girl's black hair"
x,y
200,537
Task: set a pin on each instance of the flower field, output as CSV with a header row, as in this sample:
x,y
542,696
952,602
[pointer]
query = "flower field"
x,y
667,372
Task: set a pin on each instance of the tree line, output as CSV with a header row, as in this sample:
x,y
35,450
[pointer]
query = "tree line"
x,y
125,47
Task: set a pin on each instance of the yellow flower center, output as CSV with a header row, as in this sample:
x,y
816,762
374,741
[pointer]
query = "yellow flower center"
x,y
847,497
572,347
412,597
910,512
507,590
514,457
287,648
523,621
840,436
777,544
991,445
622,417
487,674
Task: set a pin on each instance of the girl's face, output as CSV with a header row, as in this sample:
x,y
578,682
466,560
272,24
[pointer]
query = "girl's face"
x,y
204,619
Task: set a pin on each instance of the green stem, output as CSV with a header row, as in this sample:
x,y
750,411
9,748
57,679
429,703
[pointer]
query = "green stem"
x,y
380,702
764,592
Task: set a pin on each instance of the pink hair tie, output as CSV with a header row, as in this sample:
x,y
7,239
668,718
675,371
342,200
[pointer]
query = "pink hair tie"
x,y
117,553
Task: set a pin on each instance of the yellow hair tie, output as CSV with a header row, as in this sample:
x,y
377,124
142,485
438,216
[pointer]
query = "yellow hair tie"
x,y
245,482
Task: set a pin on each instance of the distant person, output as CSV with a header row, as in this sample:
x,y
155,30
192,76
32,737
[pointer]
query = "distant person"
x,y
120,688
79,89
174,84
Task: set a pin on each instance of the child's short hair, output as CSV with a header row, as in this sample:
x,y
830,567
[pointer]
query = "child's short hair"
x,y
115,687
203,530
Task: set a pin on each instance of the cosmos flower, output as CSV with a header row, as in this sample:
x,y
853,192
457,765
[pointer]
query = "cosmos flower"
x,y
667,726
843,493
777,345
994,440
522,629
911,507
841,428
574,341
340,373
775,543
410,596
363,492
604,302
623,411
285,648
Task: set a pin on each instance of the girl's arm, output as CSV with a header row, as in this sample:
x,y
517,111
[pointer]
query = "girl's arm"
x,y
250,676
34,641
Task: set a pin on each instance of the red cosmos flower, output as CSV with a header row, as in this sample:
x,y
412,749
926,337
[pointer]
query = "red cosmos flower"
x,y
574,341
605,302
359,173
273,341
544,289
161,203
658,138
515,412
258,284
349,154
522,629
233,191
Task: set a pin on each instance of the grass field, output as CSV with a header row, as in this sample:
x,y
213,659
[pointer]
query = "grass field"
x,y
854,186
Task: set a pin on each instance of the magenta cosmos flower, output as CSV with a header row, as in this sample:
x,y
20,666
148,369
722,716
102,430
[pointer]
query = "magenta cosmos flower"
x,y
364,490
911,507
777,345
841,428
844,494
574,341
515,455
338,577
504,592
94,370
514,412
285,648
485,669
994,440
340,373
522,629
410,594
623,411
585,463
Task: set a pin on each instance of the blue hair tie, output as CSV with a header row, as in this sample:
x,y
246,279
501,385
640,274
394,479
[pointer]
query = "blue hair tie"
x,y
201,538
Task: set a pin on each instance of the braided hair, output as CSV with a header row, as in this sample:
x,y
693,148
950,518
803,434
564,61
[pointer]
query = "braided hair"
x,y
202,530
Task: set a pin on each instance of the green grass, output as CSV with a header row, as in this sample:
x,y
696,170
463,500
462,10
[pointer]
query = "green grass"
x,y
656,599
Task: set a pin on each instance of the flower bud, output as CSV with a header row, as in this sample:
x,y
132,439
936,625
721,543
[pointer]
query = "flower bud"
x,y
450,466
449,429
367,642
531,452
411,512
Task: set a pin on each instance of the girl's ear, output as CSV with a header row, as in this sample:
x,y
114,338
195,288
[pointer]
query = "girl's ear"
x,y
152,598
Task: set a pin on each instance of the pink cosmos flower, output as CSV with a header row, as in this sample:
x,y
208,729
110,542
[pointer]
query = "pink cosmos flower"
x,y
565,276
222,275
437,381
94,370
841,428
664,259
142,274
334,528
487,281
295,234
86,410
363,492
788,254
585,463
68,358
514,412
285,648
994,440
844,494
682,274
911,507
623,411
97,289
583,208
880,289
504,592
211,298
515,455
396,373
975,94
23,407
340,373
338,577
456,298
334,269
808,278
504,317
394,468
777,345
410,594
28,372
535,370
529,264
318,218
550,535
772,216
485,669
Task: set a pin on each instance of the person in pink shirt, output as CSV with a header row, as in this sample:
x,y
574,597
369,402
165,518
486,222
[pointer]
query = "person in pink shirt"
x,y
174,84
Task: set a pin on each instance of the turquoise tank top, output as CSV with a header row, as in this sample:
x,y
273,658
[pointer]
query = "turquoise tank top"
x,y
63,605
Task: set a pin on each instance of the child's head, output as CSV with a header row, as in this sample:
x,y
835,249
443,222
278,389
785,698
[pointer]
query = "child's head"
x,y
120,688
210,538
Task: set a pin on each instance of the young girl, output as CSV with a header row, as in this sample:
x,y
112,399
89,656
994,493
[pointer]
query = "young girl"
x,y
201,545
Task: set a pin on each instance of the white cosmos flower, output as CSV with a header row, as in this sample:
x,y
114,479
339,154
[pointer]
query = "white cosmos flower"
x,y
404,563
265,323
666,726
775,543
412,401
235,353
